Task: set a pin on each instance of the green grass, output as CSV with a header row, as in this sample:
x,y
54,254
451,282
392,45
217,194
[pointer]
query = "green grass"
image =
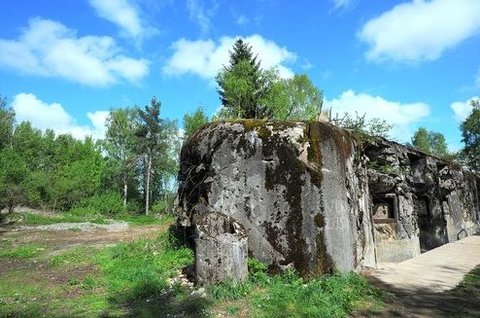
x,y
140,269
78,256
131,279
44,219
22,252
115,280
471,282
288,295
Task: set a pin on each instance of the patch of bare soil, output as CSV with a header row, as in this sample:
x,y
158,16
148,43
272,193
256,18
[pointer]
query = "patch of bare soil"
x,y
94,236
57,241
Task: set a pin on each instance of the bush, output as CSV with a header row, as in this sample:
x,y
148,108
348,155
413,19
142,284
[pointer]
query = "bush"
x,y
109,204
160,207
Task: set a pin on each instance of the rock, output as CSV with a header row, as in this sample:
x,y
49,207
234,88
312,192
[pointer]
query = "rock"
x,y
199,292
221,249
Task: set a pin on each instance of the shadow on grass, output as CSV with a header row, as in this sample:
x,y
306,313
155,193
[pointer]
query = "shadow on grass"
x,y
171,303
462,301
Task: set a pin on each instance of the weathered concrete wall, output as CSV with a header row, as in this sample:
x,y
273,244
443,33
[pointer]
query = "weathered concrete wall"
x,y
434,201
221,249
287,185
306,194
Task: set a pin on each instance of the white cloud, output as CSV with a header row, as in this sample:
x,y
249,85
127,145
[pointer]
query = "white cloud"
x,y
242,20
201,15
420,30
43,116
206,57
462,110
48,48
122,13
340,4
400,115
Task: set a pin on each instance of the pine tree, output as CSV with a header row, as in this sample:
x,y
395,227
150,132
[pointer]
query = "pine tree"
x,y
156,141
241,84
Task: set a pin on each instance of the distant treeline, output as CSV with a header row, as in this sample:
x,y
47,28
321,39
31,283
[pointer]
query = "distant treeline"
x,y
131,171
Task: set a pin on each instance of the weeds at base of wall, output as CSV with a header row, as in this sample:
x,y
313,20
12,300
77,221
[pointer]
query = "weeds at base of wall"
x,y
288,295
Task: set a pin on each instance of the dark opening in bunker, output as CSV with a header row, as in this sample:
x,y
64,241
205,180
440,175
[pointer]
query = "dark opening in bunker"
x,y
432,229
384,208
421,208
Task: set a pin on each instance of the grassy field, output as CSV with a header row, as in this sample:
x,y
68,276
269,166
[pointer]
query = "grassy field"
x,y
132,274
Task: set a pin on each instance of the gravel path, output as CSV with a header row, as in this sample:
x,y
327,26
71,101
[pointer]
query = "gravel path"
x,y
84,227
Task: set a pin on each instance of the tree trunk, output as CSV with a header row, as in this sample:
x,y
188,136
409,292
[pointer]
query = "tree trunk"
x,y
125,191
147,190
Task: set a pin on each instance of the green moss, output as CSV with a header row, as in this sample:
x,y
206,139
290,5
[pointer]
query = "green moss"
x,y
319,220
264,132
289,175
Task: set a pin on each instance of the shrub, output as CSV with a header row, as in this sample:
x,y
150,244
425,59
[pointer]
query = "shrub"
x,y
109,203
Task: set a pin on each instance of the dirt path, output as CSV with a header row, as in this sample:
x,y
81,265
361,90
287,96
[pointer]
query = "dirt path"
x,y
421,287
61,236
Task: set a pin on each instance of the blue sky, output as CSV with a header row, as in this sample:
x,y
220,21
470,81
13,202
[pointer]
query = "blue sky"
x,y
64,64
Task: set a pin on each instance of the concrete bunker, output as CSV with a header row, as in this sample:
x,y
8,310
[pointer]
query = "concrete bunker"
x,y
310,196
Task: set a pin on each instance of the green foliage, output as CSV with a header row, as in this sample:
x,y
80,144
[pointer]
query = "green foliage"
x,y
42,219
362,127
247,91
157,143
119,144
471,137
13,171
108,204
384,168
7,120
191,122
431,142
293,99
160,207
288,295
242,84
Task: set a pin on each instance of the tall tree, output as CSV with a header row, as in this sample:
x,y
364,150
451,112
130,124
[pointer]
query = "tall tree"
x,y
241,84
119,144
420,140
295,98
155,138
431,142
191,122
78,173
13,171
7,121
27,142
471,137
